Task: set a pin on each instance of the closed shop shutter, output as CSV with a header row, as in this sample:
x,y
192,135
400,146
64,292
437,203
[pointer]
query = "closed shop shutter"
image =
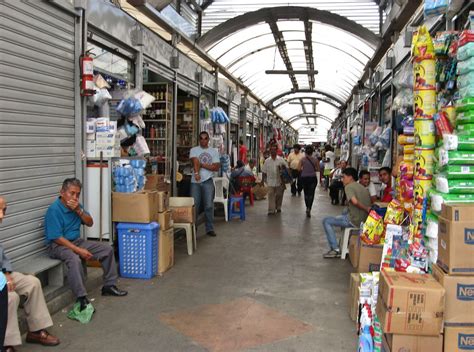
x,y
249,117
160,69
188,86
37,117
234,113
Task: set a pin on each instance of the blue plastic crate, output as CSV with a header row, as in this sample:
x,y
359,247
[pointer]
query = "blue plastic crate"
x,y
138,249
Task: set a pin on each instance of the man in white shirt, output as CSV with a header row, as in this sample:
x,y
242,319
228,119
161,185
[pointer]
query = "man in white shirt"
x,y
271,175
205,161
329,158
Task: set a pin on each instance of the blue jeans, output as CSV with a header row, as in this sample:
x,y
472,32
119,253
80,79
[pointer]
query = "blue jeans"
x,y
330,222
203,194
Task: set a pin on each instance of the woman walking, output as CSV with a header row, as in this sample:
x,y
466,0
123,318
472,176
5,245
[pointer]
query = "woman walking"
x,y
309,165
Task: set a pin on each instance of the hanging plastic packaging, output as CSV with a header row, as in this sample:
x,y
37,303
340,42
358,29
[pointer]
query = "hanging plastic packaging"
x,y
422,43
144,98
465,66
129,106
458,172
466,80
435,7
442,124
467,129
438,199
453,157
141,147
458,142
463,118
444,185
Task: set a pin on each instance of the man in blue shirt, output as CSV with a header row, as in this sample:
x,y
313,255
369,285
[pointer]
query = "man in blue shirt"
x,y
62,228
205,162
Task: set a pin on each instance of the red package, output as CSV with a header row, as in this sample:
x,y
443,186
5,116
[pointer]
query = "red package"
x,y
442,123
402,264
466,36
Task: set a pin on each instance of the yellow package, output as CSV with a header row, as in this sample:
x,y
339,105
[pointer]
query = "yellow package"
x,y
372,231
394,214
422,44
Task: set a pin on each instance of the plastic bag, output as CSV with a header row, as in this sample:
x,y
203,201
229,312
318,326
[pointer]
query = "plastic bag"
x,y
101,96
458,142
435,7
129,106
465,66
466,129
422,43
83,316
466,80
443,185
145,98
458,172
372,229
385,137
454,157
100,82
438,199
374,137
466,51
141,147
404,79
394,214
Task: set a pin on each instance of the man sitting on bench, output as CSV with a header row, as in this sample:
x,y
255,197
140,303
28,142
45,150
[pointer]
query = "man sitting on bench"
x,y
62,228
36,311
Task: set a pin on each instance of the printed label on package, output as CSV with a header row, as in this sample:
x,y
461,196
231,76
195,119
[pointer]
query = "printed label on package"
x,y
469,236
465,292
466,342
415,309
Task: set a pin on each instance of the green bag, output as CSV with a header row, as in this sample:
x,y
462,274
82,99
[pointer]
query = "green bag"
x,y
83,316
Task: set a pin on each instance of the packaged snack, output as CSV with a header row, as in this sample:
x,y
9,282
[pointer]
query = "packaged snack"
x,y
432,225
442,123
422,43
404,139
372,230
394,214
465,51
421,187
409,149
443,185
454,157
450,112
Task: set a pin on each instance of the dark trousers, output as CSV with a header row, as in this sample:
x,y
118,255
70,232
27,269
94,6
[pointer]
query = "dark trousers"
x,y
3,314
296,185
309,186
334,189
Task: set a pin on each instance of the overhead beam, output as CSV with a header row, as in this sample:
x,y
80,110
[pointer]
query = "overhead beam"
x,y
248,19
330,96
303,116
289,101
206,4
311,72
308,51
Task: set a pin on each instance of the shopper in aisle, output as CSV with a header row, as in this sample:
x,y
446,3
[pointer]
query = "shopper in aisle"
x,y
294,161
358,207
242,152
251,167
239,171
309,166
364,180
205,162
36,311
385,176
62,229
329,158
336,182
272,176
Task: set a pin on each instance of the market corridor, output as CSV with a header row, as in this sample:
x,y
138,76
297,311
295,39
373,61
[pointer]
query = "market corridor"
x,y
268,272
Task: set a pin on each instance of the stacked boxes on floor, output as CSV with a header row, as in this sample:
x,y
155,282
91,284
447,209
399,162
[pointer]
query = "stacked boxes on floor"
x,y
166,246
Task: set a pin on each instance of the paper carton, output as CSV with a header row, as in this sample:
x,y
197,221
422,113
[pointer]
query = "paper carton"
x,y
165,219
90,149
354,296
457,212
163,200
152,181
456,244
458,339
138,207
410,304
369,258
354,250
183,214
407,343
166,250
459,303
106,138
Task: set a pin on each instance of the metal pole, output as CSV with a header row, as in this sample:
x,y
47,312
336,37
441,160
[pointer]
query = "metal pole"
x,y
174,135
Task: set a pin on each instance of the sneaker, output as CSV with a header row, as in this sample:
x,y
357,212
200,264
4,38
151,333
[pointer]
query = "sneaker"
x,y
308,213
278,210
333,253
211,233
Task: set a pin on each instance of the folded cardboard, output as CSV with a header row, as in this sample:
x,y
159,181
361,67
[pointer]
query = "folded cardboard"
x,y
165,219
410,304
369,258
166,250
457,212
459,302
458,339
163,200
456,245
138,207
408,343
153,181
354,250
183,214
354,296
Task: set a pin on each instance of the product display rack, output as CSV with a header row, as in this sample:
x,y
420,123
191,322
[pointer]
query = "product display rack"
x,y
157,131
186,130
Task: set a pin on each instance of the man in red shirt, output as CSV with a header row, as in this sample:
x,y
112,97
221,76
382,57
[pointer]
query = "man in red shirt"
x,y
243,152
385,175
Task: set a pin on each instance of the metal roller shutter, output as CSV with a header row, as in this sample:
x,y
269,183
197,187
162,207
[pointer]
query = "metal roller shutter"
x,y
234,113
188,86
160,69
37,117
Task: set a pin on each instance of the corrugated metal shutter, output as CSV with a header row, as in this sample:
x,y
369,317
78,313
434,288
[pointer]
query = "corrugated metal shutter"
x,y
37,147
188,86
234,113
159,68
249,117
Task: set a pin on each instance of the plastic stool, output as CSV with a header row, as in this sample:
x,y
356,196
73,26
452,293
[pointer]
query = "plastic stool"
x,y
190,235
345,241
233,201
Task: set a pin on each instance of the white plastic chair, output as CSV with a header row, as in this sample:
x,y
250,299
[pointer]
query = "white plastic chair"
x,y
345,241
189,228
221,183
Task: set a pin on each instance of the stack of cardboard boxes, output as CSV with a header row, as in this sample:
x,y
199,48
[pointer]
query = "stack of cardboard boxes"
x,y
455,272
364,258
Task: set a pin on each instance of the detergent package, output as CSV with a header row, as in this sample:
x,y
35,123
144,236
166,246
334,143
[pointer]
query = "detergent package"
x,y
438,199
454,157
444,185
466,117
458,172
458,142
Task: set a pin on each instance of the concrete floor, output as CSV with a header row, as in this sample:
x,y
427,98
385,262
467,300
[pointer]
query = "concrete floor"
x,y
273,264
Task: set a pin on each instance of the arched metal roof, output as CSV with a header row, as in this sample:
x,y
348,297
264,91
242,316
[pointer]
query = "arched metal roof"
x,y
297,41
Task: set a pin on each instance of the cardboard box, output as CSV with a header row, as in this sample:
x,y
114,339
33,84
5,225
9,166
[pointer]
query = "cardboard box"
x,y
456,244
457,212
153,181
459,303
166,250
165,219
105,138
138,207
369,258
354,250
407,343
354,296
410,304
183,215
163,200
458,339
90,149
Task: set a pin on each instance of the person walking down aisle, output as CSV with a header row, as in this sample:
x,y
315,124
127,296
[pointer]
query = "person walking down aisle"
x,y
358,208
329,158
62,225
294,161
272,176
336,182
205,162
309,166
37,314
242,152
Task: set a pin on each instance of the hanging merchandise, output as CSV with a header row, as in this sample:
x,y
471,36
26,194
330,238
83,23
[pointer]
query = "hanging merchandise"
x,y
219,116
435,7
204,113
